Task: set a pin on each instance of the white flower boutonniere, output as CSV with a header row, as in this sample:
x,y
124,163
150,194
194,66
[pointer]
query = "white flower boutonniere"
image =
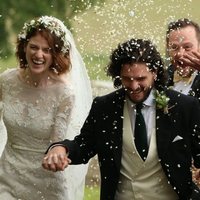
x,y
162,101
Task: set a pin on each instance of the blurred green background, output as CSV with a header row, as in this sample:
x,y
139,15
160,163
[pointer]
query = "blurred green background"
x,y
98,26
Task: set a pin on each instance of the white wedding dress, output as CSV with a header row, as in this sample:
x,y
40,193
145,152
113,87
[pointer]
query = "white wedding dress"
x,y
35,117
3,134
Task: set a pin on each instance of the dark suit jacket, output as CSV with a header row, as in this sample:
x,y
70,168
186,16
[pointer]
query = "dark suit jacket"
x,y
195,88
102,135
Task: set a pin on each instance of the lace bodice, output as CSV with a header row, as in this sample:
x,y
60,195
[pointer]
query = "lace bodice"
x,y
34,114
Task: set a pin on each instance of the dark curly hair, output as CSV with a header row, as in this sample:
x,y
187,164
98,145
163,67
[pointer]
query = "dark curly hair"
x,y
136,51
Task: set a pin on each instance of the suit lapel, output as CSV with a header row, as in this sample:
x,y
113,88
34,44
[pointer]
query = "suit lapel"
x,y
118,117
164,128
163,132
195,87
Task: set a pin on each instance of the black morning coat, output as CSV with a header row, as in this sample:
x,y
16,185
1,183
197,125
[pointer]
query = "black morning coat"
x,y
102,132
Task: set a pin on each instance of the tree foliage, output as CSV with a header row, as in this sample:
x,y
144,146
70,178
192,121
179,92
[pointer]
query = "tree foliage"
x,y
13,14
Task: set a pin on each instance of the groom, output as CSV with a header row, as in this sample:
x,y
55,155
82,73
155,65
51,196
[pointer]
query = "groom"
x,y
170,121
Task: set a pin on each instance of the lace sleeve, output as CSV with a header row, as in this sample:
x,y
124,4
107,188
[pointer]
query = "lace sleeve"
x,y
80,83
1,82
3,79
3,76
62,117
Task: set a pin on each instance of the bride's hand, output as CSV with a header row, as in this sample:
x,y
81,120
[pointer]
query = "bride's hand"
x,y
56,159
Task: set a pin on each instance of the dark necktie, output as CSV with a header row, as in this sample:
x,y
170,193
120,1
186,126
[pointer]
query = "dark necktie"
x,y
140,133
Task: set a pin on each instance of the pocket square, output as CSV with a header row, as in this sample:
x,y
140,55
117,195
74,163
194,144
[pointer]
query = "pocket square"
x,y
178,137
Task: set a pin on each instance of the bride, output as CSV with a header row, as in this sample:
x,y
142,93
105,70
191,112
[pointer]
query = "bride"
x,y
44,100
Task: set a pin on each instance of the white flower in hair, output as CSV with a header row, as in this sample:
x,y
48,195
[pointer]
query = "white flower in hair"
x,y
53,24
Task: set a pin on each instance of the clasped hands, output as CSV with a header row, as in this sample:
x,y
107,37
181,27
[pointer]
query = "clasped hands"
x,y
56,159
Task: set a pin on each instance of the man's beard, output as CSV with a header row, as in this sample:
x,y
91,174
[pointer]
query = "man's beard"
x,y
147,92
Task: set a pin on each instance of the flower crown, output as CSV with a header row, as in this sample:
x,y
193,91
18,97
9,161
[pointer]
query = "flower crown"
x,y
53,24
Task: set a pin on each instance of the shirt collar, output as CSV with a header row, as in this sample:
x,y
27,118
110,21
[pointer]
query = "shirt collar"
x,y
150,101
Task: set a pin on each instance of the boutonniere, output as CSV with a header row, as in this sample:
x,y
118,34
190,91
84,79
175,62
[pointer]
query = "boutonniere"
x,y
162,101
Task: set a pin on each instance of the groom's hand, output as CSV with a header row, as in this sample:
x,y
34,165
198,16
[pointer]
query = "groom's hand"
x,y
56,159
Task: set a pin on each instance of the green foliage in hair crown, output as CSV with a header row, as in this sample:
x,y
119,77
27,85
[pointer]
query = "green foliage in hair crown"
x,y
53,24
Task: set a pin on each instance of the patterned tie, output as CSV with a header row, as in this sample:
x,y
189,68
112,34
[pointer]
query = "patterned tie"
x,y
140,133
178,78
